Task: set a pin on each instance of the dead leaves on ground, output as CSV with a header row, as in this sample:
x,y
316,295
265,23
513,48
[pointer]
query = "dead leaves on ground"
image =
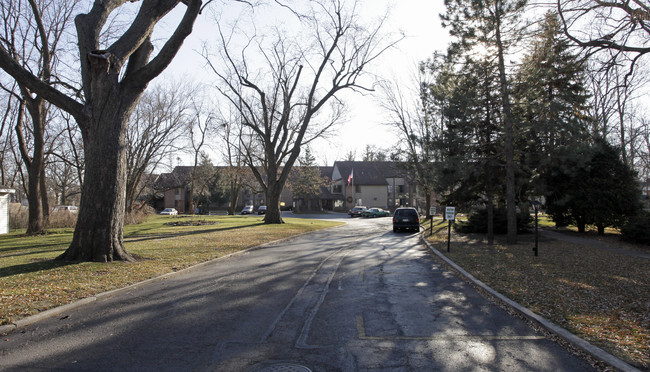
x,y
597,294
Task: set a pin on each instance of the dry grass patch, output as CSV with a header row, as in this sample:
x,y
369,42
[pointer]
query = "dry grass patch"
x,y
601,296
31,281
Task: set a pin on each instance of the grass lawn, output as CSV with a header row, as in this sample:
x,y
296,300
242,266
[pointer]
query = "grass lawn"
x,y
31,281
599,295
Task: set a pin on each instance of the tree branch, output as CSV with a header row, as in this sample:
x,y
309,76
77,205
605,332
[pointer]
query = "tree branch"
x,y
38,86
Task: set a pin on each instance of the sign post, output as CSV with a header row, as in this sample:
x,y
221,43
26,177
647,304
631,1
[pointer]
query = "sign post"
x,y
450,215
432,211
536,207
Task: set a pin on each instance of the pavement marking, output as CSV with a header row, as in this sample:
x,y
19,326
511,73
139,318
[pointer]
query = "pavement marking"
x,y
295,298
304,333
361,334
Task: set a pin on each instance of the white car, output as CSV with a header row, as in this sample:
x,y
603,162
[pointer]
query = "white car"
x,y
169,211
66,208
247,209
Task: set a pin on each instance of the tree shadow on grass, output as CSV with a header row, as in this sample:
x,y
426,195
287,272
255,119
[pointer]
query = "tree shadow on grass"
x,y
185,233
46,264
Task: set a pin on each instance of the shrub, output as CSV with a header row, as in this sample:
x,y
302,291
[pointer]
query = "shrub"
x,y
62,219
477,222
637,230
17,216
138,215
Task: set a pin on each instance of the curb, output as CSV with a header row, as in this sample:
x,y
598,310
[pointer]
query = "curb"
x,y
20,323
579,343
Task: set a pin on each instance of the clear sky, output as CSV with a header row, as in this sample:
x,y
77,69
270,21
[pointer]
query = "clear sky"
x,y
417,19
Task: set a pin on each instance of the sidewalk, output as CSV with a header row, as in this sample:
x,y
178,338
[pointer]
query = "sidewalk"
x,y
592,243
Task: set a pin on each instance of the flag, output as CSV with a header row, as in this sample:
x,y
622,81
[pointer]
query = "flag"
x,y
350,177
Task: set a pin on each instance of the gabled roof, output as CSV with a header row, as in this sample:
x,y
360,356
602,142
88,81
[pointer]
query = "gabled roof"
x,y
326,171
179,177
369,172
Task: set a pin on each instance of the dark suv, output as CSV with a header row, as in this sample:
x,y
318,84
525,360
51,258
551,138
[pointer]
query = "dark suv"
x,y
406,219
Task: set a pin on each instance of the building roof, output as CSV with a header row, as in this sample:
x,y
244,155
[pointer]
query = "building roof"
x,y
365,173
326,171
369,172
179,177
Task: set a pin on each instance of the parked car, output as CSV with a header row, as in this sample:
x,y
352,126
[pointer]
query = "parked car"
x,y
66,208
406,219
261,209
247,209
169,211
356,211
375,212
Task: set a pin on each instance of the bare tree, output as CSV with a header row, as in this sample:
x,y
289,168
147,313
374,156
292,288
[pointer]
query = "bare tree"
x,y
616,93
113,76
414,124
279,102
155,132
8,171
63,177
620,26
643,165
199,129
203,175
237,173
351,155
34,30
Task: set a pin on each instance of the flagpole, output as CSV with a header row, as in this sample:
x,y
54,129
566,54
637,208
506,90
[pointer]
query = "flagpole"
x,y
354,192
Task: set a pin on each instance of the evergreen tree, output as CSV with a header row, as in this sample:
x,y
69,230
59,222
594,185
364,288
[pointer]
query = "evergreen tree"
x,y
305,181
551,101
480,27
473,161
595,188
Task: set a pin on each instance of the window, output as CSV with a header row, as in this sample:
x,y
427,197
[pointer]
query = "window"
x,y
337,189
400,189
357,188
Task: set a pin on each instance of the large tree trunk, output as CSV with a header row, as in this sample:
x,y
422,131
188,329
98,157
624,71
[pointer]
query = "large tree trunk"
x,y
427,201
98,233
35,163
45,203
273,213
35,220
235,187
99,229
112,80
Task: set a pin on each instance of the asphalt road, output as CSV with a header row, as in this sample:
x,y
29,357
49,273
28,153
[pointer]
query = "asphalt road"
x,y
354,298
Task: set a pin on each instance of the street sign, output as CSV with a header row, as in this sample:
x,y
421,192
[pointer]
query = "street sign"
x,y
450,213
432,211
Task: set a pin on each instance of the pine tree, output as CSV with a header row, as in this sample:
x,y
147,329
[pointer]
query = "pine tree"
x,y
551,101
480,27
472,165
593,188
305,181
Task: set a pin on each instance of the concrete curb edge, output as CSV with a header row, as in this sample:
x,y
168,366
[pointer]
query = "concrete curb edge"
x,y
551,327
